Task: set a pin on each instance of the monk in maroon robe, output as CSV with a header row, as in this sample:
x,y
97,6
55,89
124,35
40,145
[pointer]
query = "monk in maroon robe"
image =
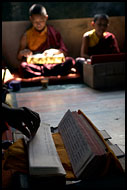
x,y
97,41
38,39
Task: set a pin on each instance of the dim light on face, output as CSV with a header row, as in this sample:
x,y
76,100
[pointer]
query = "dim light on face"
x,y
39,21
100,26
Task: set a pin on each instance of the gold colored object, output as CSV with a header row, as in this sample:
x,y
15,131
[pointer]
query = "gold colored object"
x,y
51,56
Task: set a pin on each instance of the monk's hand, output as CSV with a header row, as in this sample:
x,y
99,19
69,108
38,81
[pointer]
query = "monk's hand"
x,y
24,120
31,120
26,52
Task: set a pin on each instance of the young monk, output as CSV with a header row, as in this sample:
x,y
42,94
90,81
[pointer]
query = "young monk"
x,y
37,39
98,40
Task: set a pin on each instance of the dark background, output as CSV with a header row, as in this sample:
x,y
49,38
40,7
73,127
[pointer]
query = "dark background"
x,y
18,11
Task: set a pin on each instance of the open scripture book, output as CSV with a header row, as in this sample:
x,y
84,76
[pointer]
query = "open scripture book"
x,y
87,150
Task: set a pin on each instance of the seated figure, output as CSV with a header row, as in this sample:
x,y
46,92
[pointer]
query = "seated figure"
x,y
37,40
97,41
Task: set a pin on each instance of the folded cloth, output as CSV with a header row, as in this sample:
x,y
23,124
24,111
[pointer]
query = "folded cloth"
x,y
63,155
16,157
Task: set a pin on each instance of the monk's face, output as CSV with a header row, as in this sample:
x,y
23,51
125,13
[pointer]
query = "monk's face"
x,y
39,21
100,26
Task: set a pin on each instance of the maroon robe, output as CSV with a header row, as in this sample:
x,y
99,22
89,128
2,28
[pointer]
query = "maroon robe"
x,y
54,40
106,45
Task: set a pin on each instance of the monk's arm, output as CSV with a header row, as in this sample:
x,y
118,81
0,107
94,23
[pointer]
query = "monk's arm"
x,y
84,47
23,51
115,46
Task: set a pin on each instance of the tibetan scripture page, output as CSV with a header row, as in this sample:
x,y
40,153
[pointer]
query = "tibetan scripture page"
x,y
77,147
